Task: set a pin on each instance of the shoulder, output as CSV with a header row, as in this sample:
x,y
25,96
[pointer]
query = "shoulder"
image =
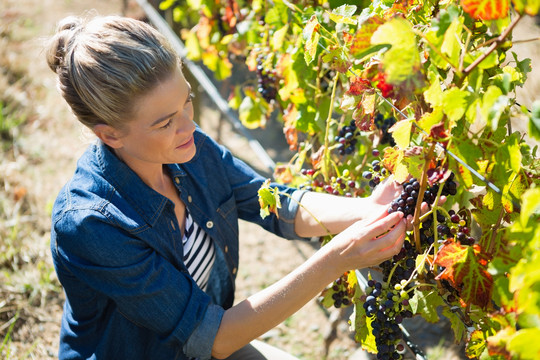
x,y
90,195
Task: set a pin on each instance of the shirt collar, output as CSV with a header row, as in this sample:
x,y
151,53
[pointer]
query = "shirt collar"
x,y
145,200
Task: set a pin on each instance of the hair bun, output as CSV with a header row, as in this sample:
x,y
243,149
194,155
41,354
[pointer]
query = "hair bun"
x,y
57,48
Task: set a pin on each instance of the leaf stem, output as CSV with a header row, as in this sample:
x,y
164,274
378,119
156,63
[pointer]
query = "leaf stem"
x,y
309,212
327,130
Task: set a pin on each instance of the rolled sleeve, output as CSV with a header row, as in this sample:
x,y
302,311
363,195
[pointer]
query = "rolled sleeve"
x,y
199,344
288,210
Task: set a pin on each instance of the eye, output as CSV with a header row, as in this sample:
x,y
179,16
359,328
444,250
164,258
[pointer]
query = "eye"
x,y
190,98
166,125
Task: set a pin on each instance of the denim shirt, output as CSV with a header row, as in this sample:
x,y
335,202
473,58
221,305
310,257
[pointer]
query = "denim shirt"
x,y
117,250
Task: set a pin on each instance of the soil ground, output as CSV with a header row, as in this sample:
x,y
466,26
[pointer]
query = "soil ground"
x,y
41,156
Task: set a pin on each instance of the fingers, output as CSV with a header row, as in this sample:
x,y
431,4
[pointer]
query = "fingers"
x,y
384,224
386,246
395,237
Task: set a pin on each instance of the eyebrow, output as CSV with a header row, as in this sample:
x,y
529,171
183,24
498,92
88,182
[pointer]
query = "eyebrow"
x,y
163,118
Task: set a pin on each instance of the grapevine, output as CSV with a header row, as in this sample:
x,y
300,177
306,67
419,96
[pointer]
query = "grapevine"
x,y
423,92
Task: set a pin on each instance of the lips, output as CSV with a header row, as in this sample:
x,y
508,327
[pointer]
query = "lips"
x,y
186,144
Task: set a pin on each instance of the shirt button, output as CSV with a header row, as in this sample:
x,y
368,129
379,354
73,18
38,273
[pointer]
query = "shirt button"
x,y
234,271
209,224
172,224
226,249
177,180
189,199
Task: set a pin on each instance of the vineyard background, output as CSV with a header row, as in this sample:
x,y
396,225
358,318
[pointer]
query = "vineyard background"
x,y
40,142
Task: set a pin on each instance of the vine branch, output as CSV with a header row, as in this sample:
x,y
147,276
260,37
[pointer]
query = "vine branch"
x,y
423,184
496,43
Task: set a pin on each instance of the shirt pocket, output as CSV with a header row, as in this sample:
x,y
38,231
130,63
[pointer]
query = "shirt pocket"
x,y
228,212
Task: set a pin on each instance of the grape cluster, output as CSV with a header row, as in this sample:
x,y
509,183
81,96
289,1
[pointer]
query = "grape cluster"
x,y
347,139
383,125
340,291
406,202
401,265
387,307
341,185
457,228
266,81
376,174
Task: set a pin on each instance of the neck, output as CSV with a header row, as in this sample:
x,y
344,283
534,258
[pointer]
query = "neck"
x,y
153,175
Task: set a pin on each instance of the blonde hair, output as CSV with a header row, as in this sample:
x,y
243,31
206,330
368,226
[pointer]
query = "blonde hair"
x,y
106,64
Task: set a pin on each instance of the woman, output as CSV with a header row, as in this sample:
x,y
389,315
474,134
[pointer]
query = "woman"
x,y
145,235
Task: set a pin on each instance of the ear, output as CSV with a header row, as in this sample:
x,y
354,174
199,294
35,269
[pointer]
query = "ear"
x,y
109,135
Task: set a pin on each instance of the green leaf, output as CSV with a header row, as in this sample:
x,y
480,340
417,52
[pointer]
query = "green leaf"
x,y
470,153
401,132
455,103
428,120
279,37
445,19
458,327
415,163
529,7
221,67
192,45
451,45
534,121
491,105
311,37
434,94
510,152
530,207
236,100
425,304
402,61
343,14
363,329
277,15
269,200
487,210
524,65
251,114
476,345
165,4
525,343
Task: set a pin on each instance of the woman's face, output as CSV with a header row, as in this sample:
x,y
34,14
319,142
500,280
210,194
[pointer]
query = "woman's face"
x,y
161,130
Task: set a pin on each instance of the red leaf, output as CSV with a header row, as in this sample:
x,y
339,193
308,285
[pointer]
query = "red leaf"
x,y
362,38
465,272
386,89
289,128
486,9
358,86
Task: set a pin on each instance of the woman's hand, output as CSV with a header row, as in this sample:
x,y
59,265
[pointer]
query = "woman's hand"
x,y
367,244
385,193
379,201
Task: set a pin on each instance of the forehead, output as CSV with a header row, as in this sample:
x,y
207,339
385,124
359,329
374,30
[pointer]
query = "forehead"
x,y
166,97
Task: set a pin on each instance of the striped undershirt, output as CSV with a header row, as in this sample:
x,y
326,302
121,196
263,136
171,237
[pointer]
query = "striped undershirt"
x,y
199,252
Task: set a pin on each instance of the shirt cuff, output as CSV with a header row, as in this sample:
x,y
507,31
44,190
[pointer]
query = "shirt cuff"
x,y
200,343
287,213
